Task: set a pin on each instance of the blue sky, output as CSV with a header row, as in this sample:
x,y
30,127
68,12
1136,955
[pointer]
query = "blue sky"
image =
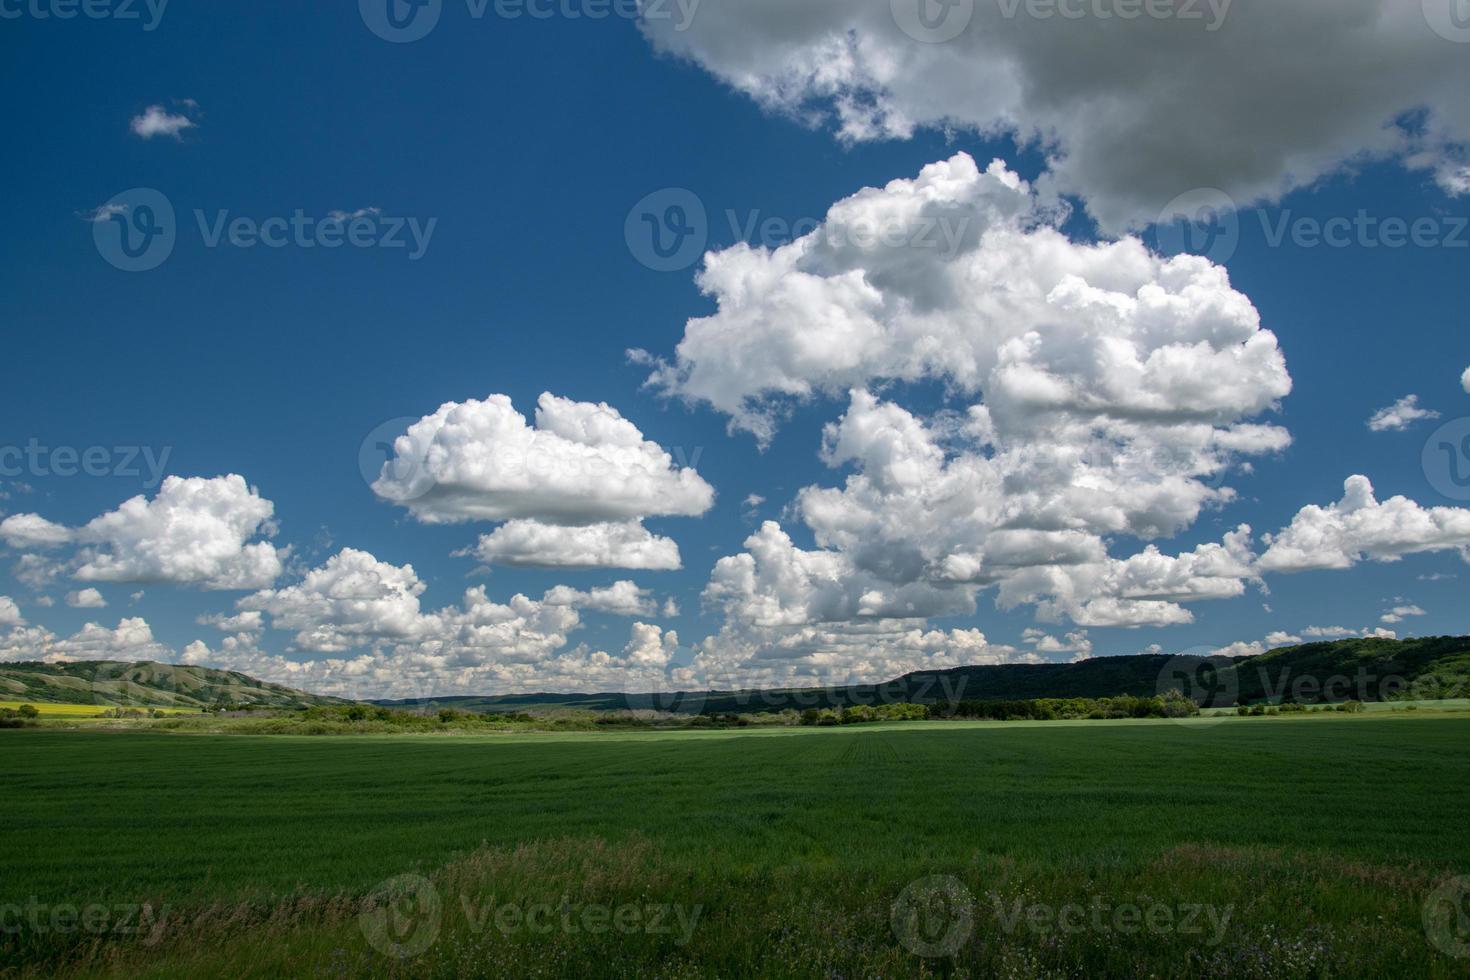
x,y
525,144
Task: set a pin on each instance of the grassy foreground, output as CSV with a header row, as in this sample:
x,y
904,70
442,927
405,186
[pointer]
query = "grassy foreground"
x,y
1243,848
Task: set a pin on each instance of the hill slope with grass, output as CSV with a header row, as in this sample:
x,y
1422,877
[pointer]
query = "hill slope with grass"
x,y
1366,669
144,685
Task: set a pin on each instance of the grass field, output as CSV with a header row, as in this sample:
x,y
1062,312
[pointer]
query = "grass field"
x,y
1249,847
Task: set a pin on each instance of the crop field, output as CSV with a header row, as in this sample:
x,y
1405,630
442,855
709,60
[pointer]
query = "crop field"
x,y
76,711
1292,847
57,710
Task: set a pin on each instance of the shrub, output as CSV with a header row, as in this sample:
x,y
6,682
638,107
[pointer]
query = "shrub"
x,y
28,711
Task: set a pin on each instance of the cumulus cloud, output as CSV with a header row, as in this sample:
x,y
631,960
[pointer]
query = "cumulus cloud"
x,y
10,612
618,599
156,120
32,531
1106,392
1465,381
252,621
131,641
1399,613
195,532
1344,632
1130,112
1359,528
1400,415
743,655
1075,643
1091,336
626,544
360,629
86,599
351,600
579,464
573,487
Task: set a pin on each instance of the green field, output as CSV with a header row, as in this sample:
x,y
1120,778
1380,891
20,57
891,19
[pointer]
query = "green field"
x,y
1312,843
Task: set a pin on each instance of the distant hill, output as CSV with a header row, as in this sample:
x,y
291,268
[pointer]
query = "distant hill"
x,y
1364,669
143,685
1374,669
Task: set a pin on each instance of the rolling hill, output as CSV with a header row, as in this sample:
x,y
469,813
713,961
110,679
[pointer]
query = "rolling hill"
x,y
143,685
1366,669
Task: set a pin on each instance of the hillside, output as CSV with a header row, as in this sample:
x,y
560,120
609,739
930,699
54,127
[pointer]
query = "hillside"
x,y
143,685
1366,669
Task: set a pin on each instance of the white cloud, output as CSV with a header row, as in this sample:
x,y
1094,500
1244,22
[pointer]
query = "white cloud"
x,y
1399,613
580,464
1465,381
618,599
1359,527
774,583
1400,415
102,213
1130,112
159,121
193,532
747,656
342,216
1241,648
30,531
1343,632
1119,391
1055,333
1075,643
366,616
130,642
86,599
245,622
352,600
626,544
10,612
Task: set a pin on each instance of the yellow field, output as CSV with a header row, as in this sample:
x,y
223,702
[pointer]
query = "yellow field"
x,y
58,710
79,710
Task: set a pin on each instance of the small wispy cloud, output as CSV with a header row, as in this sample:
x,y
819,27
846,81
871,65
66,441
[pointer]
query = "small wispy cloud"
x,y
1398,613
341,216
103,213
156,120
1400,415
